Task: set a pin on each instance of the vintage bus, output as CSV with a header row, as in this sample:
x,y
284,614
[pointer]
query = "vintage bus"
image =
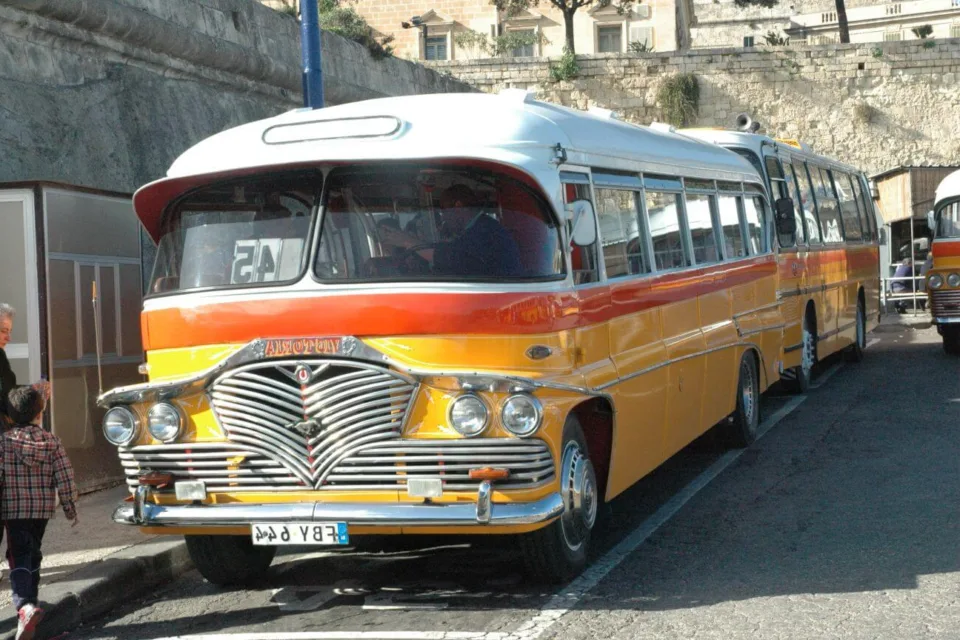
x,y
943,278
446,314
829,266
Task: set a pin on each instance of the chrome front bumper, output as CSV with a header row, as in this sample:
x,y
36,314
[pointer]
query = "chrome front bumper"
x,y
483,513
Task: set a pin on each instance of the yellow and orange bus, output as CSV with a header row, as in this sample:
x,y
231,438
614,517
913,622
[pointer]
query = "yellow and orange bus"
x,y
943,278
453,314
829,267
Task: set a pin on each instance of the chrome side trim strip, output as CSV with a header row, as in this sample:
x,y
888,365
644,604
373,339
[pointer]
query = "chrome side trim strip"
x,y
946,320
772,327
365,514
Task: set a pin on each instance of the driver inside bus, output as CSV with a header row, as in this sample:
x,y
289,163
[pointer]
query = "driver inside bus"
x,y
478,245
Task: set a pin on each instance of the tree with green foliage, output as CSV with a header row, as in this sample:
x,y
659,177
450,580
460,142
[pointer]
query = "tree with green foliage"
x,y
339,18
568,8
923,32
842,21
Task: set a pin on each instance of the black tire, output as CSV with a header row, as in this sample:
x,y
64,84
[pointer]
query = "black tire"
x,y
854,353
740,429
951,339
802,374
229,560
558,552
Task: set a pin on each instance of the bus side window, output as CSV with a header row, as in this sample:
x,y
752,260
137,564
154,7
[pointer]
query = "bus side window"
x,y
621,235
733,243
700,209
810,217
753,210
663,212
797,205
779,189
826,204
849,206
867,218
584,259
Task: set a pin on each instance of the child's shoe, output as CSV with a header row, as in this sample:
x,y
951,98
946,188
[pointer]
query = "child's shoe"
x,y
28,618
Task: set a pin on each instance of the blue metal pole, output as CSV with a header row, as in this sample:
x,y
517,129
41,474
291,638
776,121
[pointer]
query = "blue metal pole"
x,y
310,50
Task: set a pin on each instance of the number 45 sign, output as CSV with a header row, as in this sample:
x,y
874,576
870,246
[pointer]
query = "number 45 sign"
x,y
255,260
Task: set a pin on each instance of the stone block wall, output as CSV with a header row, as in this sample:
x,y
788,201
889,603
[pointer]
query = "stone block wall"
x,y
875,106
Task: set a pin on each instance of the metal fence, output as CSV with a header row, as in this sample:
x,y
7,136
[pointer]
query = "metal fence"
x,y
911,296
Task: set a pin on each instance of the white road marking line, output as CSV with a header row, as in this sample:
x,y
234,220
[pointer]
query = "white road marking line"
x,y
571,595
822,380
351,635
872,342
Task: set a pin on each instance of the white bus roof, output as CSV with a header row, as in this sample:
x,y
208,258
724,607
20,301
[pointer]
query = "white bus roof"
x,y
510,128
948,189
755,142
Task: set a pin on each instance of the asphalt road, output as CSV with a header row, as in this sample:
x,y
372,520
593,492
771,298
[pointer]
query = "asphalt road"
x,y
841,522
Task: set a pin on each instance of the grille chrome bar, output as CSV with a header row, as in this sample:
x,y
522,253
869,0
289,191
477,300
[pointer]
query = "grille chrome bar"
x,y
945,304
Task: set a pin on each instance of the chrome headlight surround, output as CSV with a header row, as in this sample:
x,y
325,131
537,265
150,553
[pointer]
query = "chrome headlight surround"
x,y
953,280
468,415
120,426
935,281
521,415
165,422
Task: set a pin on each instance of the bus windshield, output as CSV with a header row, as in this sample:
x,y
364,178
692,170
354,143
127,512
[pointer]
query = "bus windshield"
x,y
237,234
418,223
948,221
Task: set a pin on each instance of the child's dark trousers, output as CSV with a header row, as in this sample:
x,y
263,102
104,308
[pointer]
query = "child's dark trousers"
x,y
23,555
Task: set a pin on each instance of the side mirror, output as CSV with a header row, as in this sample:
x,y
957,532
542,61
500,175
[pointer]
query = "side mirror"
x,y
784,218
583,223
931,221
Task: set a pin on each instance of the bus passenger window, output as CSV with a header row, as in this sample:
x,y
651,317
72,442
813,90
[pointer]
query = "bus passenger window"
x,y
848,208
700,219
663,212
753,215
797,207
624,245
810,218
826,205
586,264
867,221
733,244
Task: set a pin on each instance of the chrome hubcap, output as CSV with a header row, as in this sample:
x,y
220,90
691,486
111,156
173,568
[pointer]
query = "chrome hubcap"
x,y
809,351
748,394
579,488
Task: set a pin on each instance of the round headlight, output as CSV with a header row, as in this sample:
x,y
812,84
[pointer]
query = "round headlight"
x,y
120,426
164,421
953,280
935,281
468,415
521,415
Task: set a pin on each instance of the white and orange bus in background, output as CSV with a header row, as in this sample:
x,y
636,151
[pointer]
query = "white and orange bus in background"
x,y
829,267
459,314
943,278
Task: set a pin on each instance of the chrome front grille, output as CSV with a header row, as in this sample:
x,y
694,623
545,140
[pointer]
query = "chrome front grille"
x,y
222,466
945,304
225,467
388,465
309,415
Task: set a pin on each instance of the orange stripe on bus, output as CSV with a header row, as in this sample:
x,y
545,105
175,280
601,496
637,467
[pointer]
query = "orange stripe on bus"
x,y
943,249
398,314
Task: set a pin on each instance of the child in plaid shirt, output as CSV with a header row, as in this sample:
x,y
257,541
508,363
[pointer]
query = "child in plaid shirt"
x,y
34,468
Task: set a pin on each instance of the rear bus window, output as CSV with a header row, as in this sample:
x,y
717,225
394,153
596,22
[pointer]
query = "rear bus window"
x,y
848,208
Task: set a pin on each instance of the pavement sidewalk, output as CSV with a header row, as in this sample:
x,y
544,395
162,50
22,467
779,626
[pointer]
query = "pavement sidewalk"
x,y
90,568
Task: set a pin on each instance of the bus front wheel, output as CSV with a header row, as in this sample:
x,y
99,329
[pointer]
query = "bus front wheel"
x,y
558,552
229,560
951,339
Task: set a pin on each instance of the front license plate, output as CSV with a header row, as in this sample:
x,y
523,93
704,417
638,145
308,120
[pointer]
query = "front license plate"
x,y
300,533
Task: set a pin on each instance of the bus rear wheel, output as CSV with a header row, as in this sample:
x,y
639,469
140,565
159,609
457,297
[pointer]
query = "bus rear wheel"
x,y
802,374
951,339
740,429
229,560
558,552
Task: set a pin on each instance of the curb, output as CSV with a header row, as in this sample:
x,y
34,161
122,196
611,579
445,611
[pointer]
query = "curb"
x,y
99,587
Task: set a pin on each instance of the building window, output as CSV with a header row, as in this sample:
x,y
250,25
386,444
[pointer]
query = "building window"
x,y
643,35
436,48
955,3
894,9
524,50
610,39
828,16
748,41
892,36
955,28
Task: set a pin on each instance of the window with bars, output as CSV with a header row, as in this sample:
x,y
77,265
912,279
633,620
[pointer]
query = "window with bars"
x,y
892,36
894,9
828,16
436,48
955,28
